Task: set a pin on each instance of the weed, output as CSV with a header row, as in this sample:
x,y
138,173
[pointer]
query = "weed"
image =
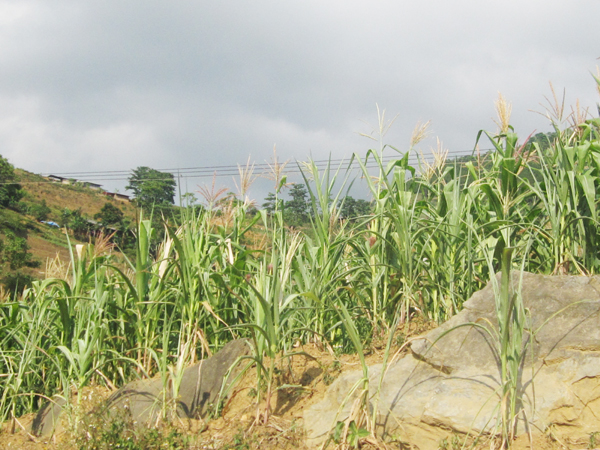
x,y
239,442
117,430
331,371
455,443
593,443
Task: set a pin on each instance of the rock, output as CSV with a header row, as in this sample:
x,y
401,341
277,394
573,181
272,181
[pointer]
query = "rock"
x,y
46,421
450,382
199,389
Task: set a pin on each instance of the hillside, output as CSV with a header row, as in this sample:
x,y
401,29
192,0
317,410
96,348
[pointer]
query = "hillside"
x,y
60,196
46,242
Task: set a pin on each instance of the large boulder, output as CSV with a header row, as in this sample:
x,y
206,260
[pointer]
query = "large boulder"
x,y
145,400
450,383
199,388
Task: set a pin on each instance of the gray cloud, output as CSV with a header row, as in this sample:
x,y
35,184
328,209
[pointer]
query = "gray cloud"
x,y
113,85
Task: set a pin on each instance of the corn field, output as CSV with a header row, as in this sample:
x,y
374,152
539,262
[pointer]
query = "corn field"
x,y
225,274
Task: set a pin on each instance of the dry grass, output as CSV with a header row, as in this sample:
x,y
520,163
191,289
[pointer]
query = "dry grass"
x,y
59,196
47,245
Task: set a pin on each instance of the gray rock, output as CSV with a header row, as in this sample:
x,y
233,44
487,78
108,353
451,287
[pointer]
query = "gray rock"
x,y
46,421
451,381
199,389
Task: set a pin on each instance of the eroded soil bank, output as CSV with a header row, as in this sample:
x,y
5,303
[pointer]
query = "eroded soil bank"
x,y
308,376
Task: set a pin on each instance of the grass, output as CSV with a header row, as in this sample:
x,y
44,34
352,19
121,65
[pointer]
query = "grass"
x,y
434,237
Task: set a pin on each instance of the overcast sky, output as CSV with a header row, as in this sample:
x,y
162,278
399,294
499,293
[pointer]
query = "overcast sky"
x,y
113,85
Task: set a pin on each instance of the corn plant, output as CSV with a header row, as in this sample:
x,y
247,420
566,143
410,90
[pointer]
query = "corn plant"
x,y
269,310
324,262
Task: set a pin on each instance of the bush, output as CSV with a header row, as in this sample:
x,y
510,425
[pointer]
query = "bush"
x,y
110,215
17,281
15,251
39,211
76,221
10,194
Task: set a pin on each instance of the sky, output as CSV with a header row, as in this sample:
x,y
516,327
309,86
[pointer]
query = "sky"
x,y
100,86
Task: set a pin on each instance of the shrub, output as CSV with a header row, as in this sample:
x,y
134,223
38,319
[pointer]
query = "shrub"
x,y
17,281
39,211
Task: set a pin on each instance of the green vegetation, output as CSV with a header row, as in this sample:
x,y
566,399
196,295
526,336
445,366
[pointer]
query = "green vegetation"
x,y
14,250
39,211
429,240
117,431
26,244
10,190
76,221
110,215
297,209
152,188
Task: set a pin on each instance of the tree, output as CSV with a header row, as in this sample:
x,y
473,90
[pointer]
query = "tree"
x,y
14,254
352,208
79,224
10,193
189,199
543,140
152,188
296,209
272,203
109,215
76,222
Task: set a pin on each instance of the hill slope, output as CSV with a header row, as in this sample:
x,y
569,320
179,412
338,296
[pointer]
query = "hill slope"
x,y
47,242
59,196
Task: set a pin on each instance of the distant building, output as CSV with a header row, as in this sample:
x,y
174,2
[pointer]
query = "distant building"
x,y
92,185
58,179
63,180
117,196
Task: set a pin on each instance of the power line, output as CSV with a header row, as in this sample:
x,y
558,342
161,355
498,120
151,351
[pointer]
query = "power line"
x,y
233,170
220,171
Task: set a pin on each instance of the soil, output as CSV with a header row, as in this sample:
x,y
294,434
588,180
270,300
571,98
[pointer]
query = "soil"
x,y
302,380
